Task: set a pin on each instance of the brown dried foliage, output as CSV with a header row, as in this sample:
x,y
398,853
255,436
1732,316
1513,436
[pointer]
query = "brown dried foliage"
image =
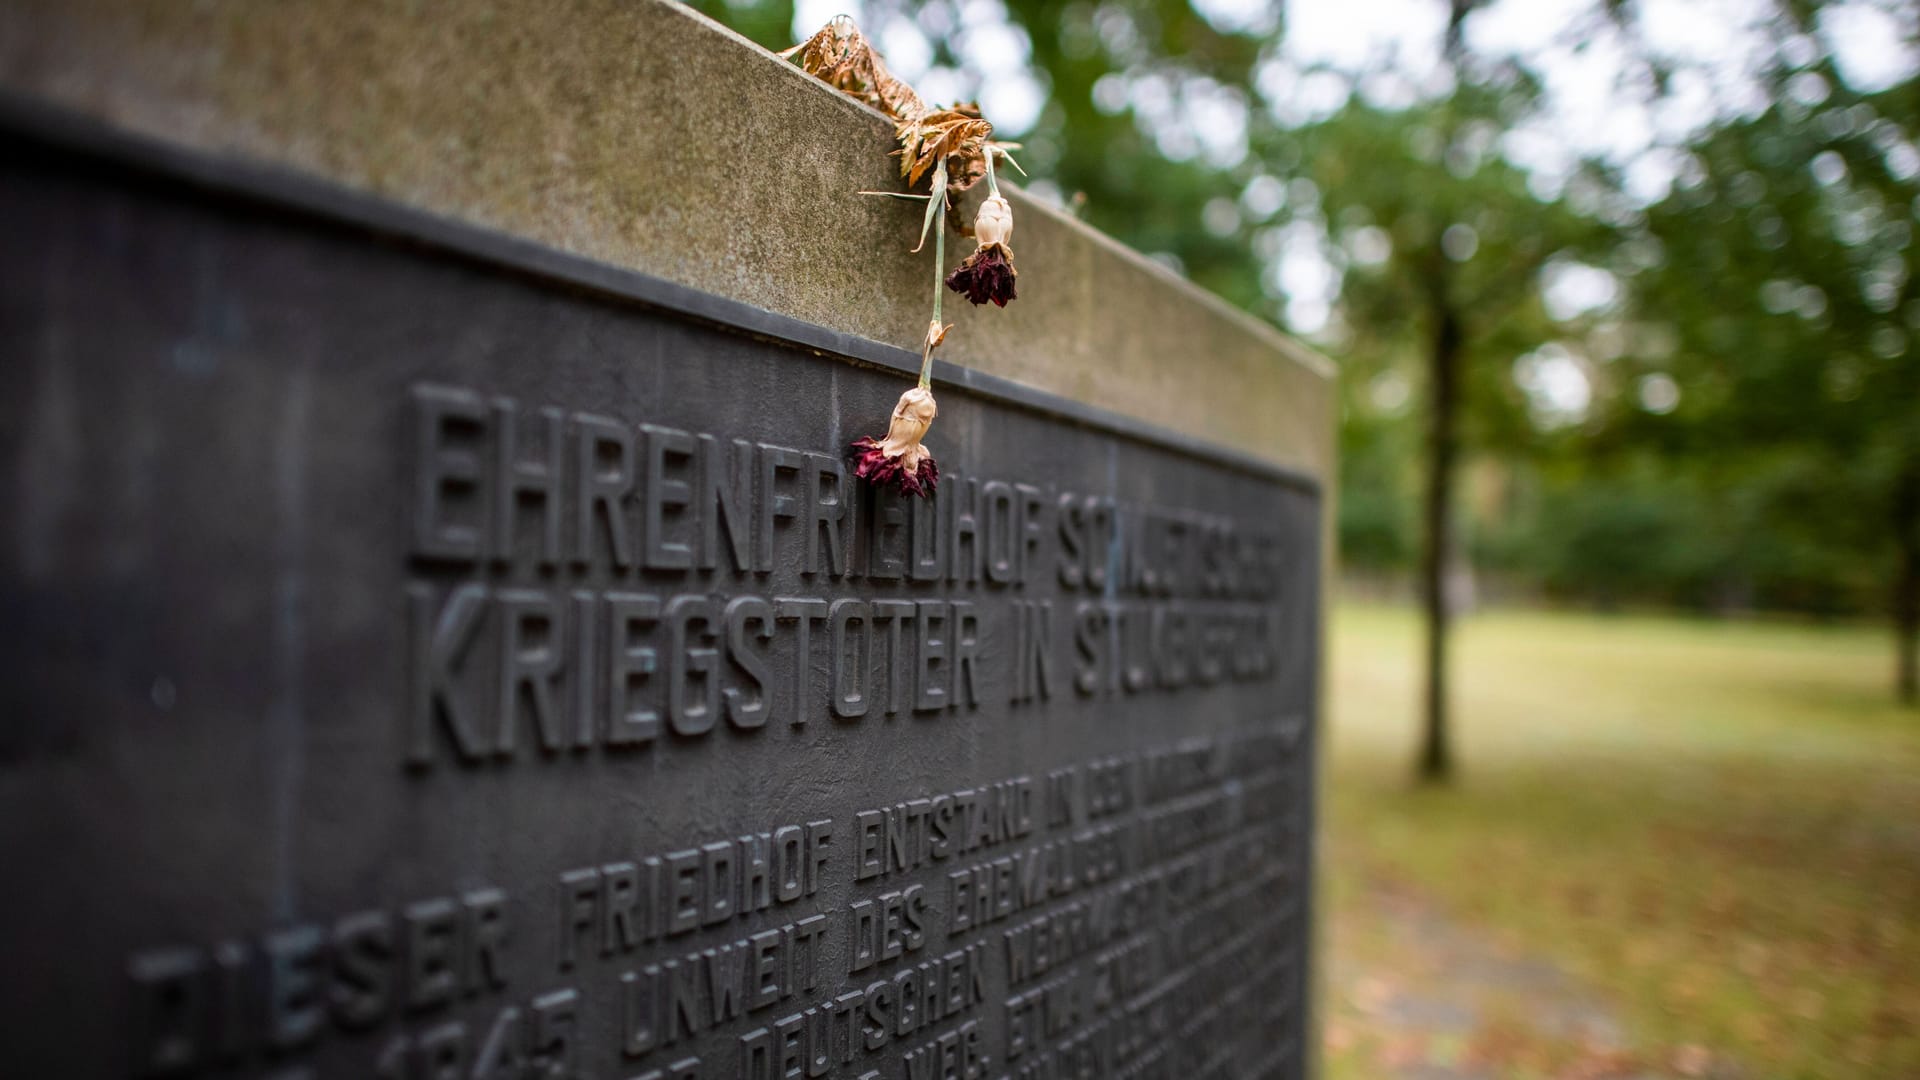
x,y
958,134
840,55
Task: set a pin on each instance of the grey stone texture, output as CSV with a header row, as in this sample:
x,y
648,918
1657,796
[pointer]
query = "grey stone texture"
x,y
640,133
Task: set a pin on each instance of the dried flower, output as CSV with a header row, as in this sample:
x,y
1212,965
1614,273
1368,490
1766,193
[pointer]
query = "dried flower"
x,y
953,149
988,273
899,460
994,223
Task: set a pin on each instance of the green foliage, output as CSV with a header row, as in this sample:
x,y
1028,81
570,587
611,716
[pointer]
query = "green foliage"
x,y
1376,498
1612,541
769,23
1787,291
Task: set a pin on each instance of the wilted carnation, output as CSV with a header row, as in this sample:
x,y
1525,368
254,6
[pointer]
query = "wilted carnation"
x,y
988,273
899,460
994,223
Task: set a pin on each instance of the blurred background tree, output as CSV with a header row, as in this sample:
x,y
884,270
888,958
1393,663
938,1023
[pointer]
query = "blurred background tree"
x,y
1664,341
1786,304
1440,249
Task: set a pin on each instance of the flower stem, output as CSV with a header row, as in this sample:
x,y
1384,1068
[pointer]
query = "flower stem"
x,y
939,281
993,186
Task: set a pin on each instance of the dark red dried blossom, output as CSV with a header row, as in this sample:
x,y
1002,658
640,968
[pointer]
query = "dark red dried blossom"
x,y
899,460
871,463
985,275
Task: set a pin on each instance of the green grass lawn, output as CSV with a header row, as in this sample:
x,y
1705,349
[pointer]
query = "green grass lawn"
x,y
1716,825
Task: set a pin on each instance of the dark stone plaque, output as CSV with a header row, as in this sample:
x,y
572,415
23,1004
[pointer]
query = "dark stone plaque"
x,y
431,657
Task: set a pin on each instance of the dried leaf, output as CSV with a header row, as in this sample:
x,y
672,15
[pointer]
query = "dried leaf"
x,y
958,134
840,56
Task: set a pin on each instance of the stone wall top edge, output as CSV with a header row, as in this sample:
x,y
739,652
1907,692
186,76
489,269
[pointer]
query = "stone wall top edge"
x,y
644,135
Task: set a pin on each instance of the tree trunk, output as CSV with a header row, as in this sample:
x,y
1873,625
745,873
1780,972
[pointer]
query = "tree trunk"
x,y
1906,588
1443,408
1906,536
1436,752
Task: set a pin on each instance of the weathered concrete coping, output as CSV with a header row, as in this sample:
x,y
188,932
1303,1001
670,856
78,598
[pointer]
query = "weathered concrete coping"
x,y
638,133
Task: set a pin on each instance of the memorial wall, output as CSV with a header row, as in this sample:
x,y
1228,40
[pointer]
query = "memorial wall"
x,y
444,649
